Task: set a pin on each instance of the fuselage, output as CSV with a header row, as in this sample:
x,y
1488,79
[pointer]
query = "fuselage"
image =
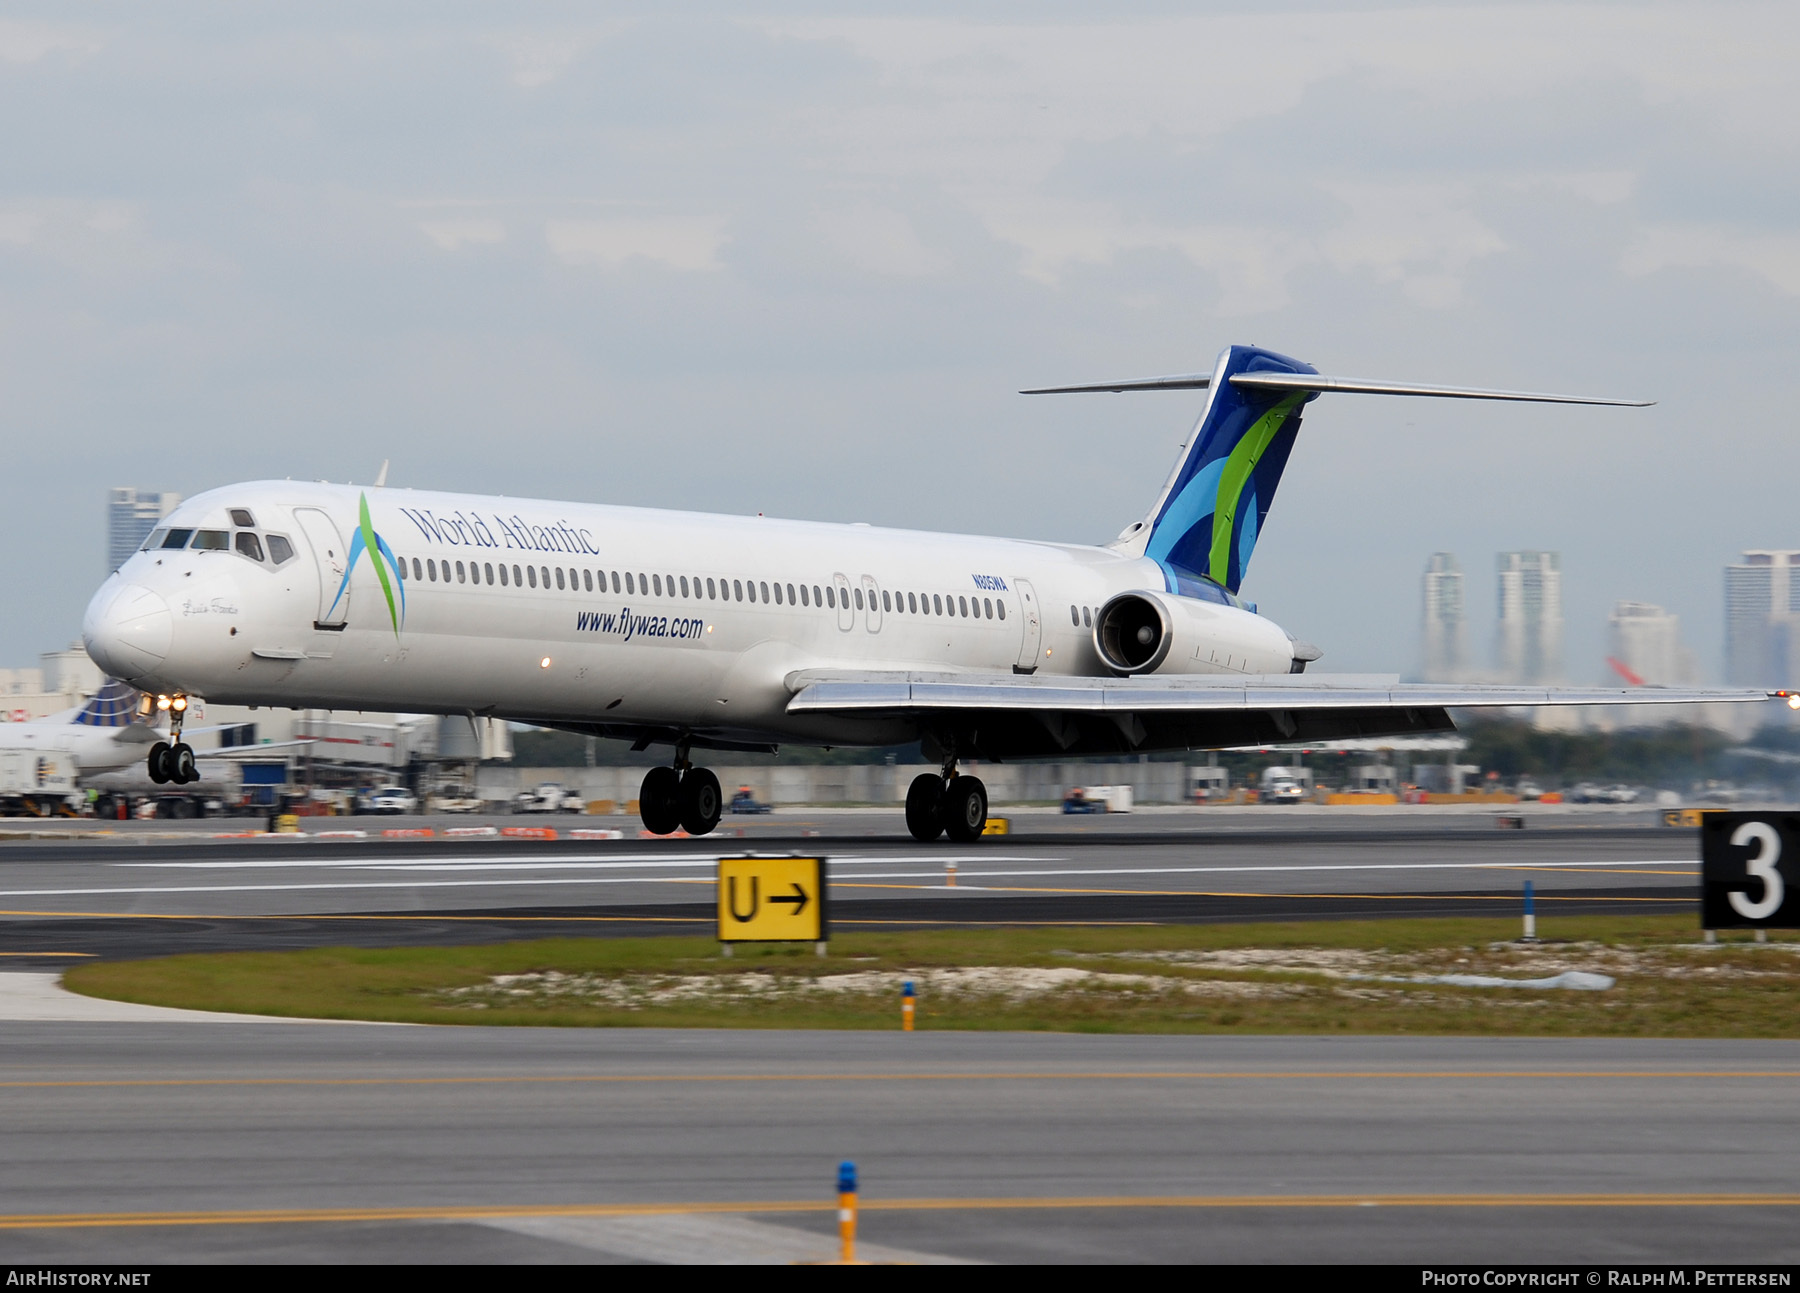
x,y
343,597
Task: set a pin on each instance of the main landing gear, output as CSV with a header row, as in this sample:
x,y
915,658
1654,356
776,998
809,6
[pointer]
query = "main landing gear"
x,y
681,797
946,804
167,762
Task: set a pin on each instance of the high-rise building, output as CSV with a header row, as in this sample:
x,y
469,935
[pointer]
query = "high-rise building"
x,y
1530,636
130,516
1646,640
1762,618
1446,628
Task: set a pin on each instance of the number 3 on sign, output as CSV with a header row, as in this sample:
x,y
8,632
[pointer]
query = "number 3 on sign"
x,y
1760,867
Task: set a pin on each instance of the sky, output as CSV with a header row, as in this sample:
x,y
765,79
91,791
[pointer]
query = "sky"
x,y
798,260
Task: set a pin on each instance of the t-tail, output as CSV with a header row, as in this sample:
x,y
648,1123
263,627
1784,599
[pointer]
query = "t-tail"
x,y
1203,528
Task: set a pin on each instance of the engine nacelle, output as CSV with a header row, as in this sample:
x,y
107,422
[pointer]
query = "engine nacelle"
x,y
1149,632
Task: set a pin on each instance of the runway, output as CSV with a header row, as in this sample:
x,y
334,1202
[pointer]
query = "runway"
x,y
143,894
286,1142
145,1140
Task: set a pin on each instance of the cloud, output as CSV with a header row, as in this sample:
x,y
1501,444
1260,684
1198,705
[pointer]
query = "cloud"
x,y
31,42
1772,257
685,243
451,235
879,240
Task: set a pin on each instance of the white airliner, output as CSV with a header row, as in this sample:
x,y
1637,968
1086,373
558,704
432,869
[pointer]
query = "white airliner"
x,y
742,633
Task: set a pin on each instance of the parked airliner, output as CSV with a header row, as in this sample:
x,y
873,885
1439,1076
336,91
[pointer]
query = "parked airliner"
x,y
742,633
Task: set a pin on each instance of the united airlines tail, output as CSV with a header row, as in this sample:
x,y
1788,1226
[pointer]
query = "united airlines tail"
x,y
114,705
1205,523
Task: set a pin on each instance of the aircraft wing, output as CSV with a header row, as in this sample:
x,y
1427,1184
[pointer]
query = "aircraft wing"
x,y
1082,714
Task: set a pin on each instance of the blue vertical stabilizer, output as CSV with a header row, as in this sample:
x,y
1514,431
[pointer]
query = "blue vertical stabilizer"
x,y
1206,523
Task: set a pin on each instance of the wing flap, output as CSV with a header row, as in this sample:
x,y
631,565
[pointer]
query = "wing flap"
x,y
833,691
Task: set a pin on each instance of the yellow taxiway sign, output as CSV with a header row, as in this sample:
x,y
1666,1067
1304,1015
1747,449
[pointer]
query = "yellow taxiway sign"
x,y
768,900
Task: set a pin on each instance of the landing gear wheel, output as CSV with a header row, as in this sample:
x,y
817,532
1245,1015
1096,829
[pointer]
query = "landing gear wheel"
x,y
181,764
965,809
702,803
658,802
157,763
924,805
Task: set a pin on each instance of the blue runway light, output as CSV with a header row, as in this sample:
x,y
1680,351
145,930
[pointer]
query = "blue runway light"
x,y
846,1177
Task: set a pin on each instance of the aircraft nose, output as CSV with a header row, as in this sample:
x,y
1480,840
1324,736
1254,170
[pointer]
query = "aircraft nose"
x,y
127,631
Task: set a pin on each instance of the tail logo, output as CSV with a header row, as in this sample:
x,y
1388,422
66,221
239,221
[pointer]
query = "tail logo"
x,y
366,539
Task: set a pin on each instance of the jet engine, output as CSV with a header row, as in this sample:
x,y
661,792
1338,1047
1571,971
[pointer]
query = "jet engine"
x,y
1148,632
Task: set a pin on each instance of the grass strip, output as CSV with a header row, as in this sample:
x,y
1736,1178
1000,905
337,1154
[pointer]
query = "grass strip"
x,y
1314,977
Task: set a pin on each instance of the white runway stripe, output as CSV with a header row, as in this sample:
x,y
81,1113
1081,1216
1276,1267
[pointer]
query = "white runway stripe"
x,y
935,877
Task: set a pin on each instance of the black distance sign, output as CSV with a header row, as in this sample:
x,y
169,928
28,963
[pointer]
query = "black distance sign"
x,y
1749,869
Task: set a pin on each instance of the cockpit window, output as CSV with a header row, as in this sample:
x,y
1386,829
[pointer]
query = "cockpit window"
x,y
211,541
156,538
280,550
241,516
249,545
178,538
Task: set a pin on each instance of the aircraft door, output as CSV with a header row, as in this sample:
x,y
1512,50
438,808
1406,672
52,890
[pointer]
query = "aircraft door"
x,y
330,556
846,616
872,595
1033,641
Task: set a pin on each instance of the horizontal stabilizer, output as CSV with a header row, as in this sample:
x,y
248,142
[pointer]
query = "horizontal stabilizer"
x,y
1356,385
1178,382
1315,383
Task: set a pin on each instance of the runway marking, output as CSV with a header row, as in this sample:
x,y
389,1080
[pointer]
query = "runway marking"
x,y
38,954
1448,894
971,879
633,1079
621,862
157,915
478,1212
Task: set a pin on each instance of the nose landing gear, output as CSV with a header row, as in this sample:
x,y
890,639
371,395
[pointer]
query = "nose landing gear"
x,y
681,796
946,804
168,762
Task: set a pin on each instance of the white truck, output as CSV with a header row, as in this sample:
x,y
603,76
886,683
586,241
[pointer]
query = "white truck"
x,y
39,782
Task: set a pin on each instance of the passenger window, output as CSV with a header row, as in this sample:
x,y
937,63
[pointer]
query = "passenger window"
x,y
249,545
532,572
241,516
1075,617
765,592
431,568
831,598
155,540
504,581
987,607
281,550
937,605
1000,608
790,595
615,581
178,538
963,605
643,583
803,600
857,594
559,578
737,589
630,582
418,570
488,569
912,604
658,584
211,541
587,581
778,594
712,591
459,573
1087,619
885,604
544,574
684,586
817,600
